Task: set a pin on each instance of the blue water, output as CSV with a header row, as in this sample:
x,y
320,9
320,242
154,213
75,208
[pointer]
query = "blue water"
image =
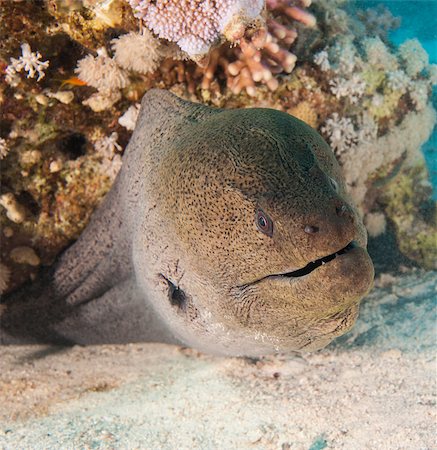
x,y
418,20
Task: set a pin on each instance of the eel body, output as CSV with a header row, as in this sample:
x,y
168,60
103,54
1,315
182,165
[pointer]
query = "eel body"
x,y
226,230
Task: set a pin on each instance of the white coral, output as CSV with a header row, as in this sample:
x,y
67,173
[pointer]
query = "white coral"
x,y
112,167
366,158
11,77
102,100
14,210
343,57
367,129
139,52
101,72
398,80
129,118
322,60
378,55
4,149
340,132
419,93
414,57
352,88
108,145
375,223
432,74
29,61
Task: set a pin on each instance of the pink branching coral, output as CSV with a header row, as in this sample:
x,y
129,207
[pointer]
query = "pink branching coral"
x,y
267,53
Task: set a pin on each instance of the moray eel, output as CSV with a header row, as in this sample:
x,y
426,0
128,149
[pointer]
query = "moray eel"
x,y
226,230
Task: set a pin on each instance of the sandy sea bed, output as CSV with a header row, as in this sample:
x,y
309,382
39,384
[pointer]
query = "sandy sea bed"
x,y
374,388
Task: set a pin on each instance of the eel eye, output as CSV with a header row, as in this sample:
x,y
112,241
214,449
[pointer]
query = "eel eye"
x,y
264,223
334,184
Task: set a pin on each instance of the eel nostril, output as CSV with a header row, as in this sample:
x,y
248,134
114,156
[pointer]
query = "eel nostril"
x,y
310,229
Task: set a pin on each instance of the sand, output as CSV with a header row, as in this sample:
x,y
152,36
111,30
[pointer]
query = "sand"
x,y
372,389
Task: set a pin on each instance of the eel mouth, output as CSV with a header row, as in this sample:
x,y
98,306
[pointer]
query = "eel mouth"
x,y
318,262
310,267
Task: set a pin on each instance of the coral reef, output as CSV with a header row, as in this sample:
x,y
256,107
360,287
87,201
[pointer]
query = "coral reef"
x,y
72,78
408,206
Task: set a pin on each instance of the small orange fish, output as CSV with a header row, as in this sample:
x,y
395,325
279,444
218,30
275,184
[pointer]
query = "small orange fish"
x,y
73,81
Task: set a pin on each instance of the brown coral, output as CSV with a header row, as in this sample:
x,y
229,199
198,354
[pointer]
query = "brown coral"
x,y
263,54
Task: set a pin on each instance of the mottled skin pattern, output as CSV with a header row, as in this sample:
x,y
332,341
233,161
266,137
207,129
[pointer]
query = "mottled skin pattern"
x,y
174,253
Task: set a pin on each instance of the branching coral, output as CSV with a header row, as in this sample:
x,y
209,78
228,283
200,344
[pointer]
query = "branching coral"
x,y
341,133
107,147
432,73
375,223
352,88
383,136
398,80
393,119
419,93
29,61
267,52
